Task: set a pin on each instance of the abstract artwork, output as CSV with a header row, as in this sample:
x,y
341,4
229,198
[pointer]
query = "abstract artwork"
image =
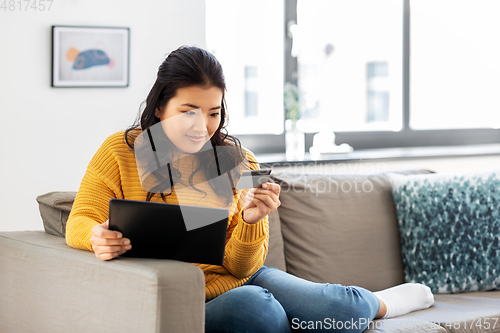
x,y
90,56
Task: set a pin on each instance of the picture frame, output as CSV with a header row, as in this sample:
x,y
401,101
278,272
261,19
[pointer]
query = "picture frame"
x,y
86,56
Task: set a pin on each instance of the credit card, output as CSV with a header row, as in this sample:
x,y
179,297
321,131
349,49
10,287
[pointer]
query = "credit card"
x,y
253,178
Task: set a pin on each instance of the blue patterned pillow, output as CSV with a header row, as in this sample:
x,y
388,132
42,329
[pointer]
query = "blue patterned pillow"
x,y
450,229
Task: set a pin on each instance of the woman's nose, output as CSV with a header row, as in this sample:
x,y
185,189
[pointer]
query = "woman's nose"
x,y
200,124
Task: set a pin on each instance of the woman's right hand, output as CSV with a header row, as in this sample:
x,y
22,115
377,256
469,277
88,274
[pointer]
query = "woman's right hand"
x,y
108,244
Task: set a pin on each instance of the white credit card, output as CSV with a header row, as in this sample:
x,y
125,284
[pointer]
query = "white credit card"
x,y
253,178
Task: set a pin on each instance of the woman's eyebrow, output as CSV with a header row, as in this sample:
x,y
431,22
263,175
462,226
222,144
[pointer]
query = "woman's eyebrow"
x,y
197,107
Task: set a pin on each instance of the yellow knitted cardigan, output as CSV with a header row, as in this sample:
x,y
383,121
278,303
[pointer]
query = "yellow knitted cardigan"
x,y
112,173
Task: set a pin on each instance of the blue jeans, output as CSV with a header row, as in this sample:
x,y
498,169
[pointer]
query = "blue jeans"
x,y
275,301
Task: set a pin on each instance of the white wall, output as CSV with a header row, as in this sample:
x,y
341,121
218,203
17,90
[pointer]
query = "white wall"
x,y
50,134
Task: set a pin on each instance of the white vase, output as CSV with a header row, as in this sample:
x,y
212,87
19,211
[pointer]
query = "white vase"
x,y
294,142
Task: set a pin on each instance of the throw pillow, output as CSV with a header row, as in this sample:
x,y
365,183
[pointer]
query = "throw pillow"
x,y
54,209
449,229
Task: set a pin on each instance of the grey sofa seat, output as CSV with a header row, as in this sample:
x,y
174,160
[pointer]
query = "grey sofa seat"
x,y
467,312
46,286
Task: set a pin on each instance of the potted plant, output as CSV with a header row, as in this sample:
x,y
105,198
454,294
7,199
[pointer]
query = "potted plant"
x,y
294,136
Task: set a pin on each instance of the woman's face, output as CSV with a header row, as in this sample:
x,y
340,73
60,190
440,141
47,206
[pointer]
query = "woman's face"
x,y
191,117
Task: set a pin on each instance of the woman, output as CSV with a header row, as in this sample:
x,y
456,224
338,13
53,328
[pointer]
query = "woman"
x,y
185,116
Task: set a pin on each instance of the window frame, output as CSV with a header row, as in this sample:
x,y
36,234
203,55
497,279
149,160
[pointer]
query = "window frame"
x,y
406,137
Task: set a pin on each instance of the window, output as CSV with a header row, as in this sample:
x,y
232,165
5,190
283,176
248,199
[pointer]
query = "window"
x,y
349,57
380,73
247,39
377,99
455,65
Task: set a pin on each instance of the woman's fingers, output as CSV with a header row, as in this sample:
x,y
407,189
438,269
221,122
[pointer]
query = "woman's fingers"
x,y
108,244
269,200
273,187
273,194
113,249
110,252
101,246
102,231
109,241
268,187
107,256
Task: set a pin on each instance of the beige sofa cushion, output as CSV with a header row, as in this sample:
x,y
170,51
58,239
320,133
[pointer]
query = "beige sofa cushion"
x,y
341,229
54,209
275,254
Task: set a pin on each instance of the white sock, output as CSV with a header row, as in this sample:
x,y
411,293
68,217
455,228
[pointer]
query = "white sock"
x,y
405,298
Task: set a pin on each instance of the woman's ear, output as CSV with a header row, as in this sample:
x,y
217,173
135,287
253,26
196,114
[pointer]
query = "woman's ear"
x,y
157,112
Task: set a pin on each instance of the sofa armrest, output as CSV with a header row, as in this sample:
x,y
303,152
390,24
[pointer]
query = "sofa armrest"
x,y
46,286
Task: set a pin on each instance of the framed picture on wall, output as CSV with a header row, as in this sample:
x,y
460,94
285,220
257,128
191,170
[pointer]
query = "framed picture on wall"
x,y
90,56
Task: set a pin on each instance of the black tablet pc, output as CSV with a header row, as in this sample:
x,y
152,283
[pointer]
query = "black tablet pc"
x,y
165,231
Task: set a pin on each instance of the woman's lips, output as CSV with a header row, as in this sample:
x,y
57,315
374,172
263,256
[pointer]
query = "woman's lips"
x,y
196,138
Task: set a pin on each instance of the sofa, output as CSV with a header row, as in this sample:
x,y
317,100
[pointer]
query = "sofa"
x,y
335,228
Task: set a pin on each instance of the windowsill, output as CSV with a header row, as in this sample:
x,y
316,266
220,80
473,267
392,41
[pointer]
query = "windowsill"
x,y
386,154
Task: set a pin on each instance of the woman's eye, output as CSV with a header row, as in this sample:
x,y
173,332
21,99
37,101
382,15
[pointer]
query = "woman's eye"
x,y
190,113
215,114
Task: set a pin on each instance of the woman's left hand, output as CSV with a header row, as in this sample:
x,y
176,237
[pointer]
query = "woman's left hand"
x,y
260,202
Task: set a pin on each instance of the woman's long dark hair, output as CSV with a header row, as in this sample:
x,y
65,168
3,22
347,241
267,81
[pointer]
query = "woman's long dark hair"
x,y
187,67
